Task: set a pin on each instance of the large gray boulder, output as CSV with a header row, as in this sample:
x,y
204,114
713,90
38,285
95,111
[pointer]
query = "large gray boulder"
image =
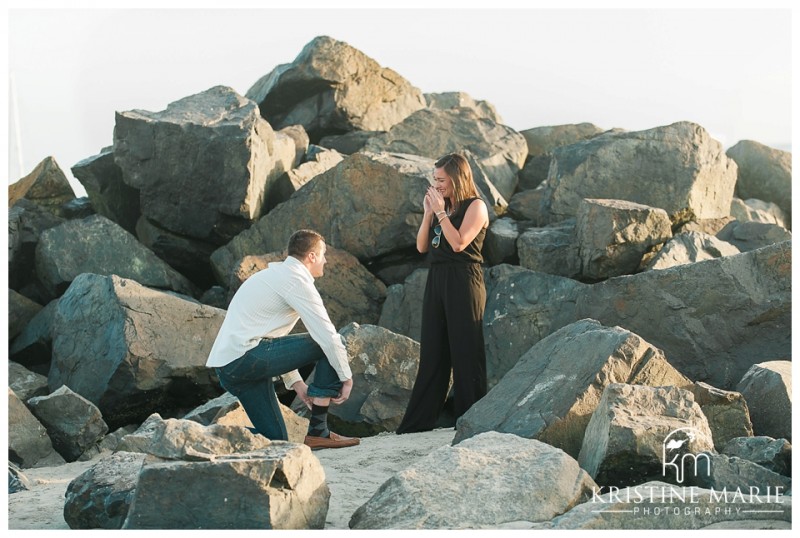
x,y
689,247
553,249
26,222
368,205
46,185
552,391
764,173
731,473
767,387
33,347
28,442
678,168
747,236
331,88
772,454
500,244
21,311
630,436
73,423
349,291
25,383
755,210
658,505
100,497
486,481
290,182
401,312
450,100
109,194
499,149
129,349
726,411
203,166
98,245
713,319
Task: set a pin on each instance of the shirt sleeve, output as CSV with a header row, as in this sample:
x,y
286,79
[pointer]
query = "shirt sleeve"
x,y
290,378
305,299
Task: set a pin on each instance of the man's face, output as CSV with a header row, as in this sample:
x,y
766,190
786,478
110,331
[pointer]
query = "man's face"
x,y
317,260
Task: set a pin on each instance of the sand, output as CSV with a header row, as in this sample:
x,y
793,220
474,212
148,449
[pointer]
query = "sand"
x,y
353,475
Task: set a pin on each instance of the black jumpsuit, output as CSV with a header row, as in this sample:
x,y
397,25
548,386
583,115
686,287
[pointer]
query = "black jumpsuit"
x,y
452,331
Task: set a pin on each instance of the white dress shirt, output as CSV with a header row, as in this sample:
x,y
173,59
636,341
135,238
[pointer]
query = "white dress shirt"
x,y
268,304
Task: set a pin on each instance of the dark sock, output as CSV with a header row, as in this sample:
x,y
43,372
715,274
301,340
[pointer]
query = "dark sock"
x,y
318,423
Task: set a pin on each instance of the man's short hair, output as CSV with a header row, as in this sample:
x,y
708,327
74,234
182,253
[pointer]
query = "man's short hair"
x,y
302,242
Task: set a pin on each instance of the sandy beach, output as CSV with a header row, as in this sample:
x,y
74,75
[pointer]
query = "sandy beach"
x,y
353,475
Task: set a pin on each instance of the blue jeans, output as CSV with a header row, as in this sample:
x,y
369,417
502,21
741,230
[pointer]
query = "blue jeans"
x,y
249,378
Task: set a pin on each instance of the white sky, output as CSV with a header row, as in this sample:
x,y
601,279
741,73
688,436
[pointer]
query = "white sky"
x,y
728,70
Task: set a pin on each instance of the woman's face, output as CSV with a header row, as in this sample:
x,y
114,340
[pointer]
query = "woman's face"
x,y
443,183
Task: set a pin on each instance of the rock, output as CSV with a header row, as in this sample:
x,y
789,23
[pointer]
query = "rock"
x,y
109,194
215,296
689,247
46,185
499,150
772,454
500,244
508,479
331,88
613,235
348,143
384,367
450,100
388,189
747,236
101,497
552,250
678,168
764,173
129,349
727,413
290,182
755,210
401,310
658,505
706,226
767,387
21,311
628,438
26,222
17,481
24,383
495,202
530,205
279,487
722,472
550,396
350,292
98,245
73,423
735,313
34,345
111,441
77,208
28,443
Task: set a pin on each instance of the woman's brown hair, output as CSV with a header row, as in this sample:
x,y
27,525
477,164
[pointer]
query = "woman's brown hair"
x,y
457,168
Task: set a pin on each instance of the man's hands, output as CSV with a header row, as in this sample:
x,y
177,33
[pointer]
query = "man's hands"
x,y
301,389
344,393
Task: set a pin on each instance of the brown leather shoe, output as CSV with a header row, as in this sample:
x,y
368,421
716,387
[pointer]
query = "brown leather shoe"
x,y
334,441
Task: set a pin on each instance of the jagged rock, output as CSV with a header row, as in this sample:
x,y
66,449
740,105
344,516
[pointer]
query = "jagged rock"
x,y
723,472
499,150
553,250
772,454
401,310
46,185
348,143
529,205
215,296
767,387
508,479
689,247
98,245
384,367
755,210
129,349
678,168
706,226
110,196
368,205
28,443
500,244
550,396
764,173
349,292
21,311
33,347
290,182
26,222
627,439
449,100
78,208
101,497
110,442
73,423
657,505
332,88
495,202
279,487
726,411
613,235
24,383
17,481
747,236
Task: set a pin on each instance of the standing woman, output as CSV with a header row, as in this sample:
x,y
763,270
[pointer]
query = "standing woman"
x,y
452,232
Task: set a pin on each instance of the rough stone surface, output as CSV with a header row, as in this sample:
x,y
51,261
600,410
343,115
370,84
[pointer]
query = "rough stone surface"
x,y
46,185
764,173
21,311
767,387
500,244
747,236
508,479
772,454
755,210
33,347
449,100
26,222
720,471
290,182
690,247
28,442
726,411
552,250
401,310
24,383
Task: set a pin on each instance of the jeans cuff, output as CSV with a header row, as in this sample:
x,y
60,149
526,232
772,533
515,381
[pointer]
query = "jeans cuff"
x,y
331,391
